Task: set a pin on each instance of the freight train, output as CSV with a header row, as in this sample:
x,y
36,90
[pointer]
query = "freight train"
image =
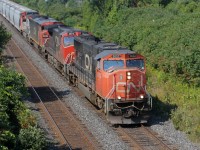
x,y
112,77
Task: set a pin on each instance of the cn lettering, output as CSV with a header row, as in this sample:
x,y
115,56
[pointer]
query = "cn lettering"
x,y
88,62
129,86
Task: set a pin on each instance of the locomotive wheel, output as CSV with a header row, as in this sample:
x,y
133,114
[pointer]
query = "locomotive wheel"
x,y
100,103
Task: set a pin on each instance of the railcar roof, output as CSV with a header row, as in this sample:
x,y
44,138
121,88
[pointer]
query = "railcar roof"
x,y
17,6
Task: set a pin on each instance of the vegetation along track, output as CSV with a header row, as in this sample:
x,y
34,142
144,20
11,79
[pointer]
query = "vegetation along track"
x,y
69,131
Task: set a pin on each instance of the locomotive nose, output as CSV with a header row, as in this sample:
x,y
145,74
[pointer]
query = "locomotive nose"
x,y
130,85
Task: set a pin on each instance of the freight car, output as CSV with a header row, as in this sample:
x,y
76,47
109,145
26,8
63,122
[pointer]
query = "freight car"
x,y
112,77
15,14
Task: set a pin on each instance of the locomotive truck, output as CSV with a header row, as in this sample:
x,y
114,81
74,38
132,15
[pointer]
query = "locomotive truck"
x,y
112,77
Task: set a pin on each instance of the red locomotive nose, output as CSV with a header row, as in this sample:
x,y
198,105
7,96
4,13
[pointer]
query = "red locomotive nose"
x,y
136,82
130,85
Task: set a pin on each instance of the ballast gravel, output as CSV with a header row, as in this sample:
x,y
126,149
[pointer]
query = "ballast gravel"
x,y
101,130
167,130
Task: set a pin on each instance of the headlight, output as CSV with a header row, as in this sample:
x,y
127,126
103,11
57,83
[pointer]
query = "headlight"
x,y
128,73
119,97
141,96
128,77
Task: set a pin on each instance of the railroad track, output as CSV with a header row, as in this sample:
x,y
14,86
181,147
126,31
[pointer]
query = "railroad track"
x,y
69,131
143,138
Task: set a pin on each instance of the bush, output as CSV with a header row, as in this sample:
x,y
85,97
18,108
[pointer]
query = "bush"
x,y
7,140
169,91
14,116
32,138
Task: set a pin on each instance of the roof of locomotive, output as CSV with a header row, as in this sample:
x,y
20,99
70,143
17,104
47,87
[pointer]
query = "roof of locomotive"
x,y
65,29
52,27
97,43
33,16
87,38
103,48
108,46
42,19
108,52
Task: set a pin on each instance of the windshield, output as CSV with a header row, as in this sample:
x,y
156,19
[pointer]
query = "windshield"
x,y
108,64
138,63
68,41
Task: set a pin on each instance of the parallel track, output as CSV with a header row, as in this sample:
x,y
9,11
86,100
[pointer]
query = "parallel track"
x,y
70,133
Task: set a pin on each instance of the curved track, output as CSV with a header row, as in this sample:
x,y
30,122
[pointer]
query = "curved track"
x,y
69,131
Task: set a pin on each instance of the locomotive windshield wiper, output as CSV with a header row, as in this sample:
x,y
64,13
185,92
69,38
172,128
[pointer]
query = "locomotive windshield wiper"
x,y
113,68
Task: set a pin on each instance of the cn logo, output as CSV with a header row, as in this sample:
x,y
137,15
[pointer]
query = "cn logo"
x,y
34,31
130,85
57,41
88,62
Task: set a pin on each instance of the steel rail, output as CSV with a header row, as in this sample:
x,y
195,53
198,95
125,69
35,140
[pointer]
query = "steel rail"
x,y
149,132
46,110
